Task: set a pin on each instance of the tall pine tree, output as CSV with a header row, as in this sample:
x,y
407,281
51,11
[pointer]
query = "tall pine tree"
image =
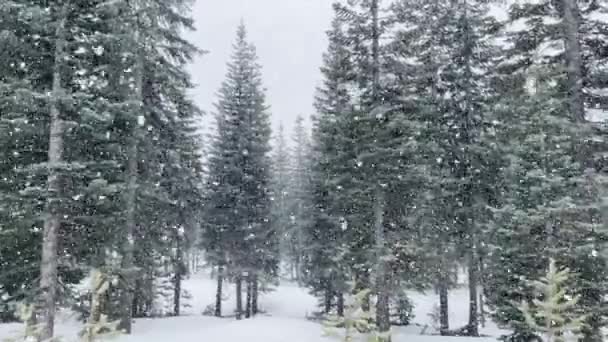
x,y
238,234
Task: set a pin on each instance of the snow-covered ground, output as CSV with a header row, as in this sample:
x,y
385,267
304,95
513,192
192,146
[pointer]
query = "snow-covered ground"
x,y
284,319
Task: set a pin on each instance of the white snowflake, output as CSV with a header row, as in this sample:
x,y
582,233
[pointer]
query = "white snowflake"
x,y
98,50
81,50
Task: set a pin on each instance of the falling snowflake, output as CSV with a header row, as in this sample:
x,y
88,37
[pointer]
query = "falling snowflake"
x,y
81,50
98,50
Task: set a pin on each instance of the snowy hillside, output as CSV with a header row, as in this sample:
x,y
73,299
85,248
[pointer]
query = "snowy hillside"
x,y
284,320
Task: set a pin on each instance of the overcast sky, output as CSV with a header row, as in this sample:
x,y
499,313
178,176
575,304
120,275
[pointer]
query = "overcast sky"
x,y
290,39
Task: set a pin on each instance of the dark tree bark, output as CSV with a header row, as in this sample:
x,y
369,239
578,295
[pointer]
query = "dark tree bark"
x,y
52,221
340,304
218,292
383,309
574,64
148,305
328,296
239,297
444,320
482,311
128,258
137,304
248,299
127,263
296,268
382,291
473,329
468,221
255,295
179,271
177,293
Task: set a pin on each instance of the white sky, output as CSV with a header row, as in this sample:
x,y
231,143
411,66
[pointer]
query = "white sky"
x,y
290,39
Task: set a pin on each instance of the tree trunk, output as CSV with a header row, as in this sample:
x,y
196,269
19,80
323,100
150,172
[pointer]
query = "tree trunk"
x,y
444,320
137,306
248,300
383,310
128,262
218,292
382,292
296,268
52,221
148,306
482,311
340,305
467,132
574,65
177,280
481,282
177,292
375,53
443,284
239,297
194,266
255,295
327,299
473,329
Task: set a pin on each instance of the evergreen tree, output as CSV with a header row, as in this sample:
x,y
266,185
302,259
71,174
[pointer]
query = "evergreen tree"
x,y
91,104
360,159
22,133
447,64
34,73
281,218
299,196
364,31
238,232
552,49
159,154
550,201
554,316
325,267
566,34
